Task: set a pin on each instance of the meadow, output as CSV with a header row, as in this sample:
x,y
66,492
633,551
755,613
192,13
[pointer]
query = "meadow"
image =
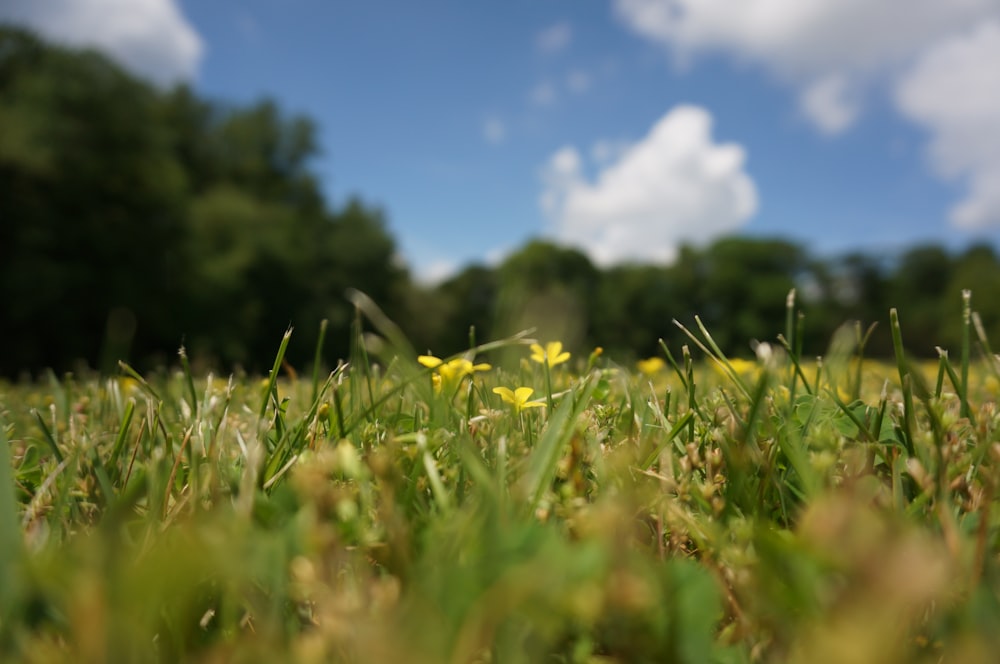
x,y
516,503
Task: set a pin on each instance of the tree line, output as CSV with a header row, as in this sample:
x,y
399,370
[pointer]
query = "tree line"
x,y
738,288
134,220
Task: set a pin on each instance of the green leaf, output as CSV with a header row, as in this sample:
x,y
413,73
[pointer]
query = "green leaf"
x,y
11,543
698,609
544,459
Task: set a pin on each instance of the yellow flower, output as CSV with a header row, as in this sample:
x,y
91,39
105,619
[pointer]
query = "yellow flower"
x,y
743,367
746,369
127,384
451,372
651,366
552,354
452,369
518,398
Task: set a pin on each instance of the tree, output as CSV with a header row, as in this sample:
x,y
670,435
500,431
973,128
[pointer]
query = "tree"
x,y
469,300
262,151
978,271
92,199
136,219
745,288
635,307
550,288
356,251
917,289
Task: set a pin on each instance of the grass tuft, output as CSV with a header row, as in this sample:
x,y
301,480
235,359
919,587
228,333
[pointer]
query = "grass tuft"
x,y
711,509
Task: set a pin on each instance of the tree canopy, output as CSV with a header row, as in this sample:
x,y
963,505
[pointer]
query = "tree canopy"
x,y
146,219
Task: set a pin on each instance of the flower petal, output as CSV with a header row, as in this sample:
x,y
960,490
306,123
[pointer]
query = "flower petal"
x,y
505,394
428,360
522,394
537,353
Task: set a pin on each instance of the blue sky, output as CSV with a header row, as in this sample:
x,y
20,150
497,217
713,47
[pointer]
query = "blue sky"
x,y
623,127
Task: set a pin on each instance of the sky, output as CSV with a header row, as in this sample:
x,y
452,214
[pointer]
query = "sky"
x,y
624,128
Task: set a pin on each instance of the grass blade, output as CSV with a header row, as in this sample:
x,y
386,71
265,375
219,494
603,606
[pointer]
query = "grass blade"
x,y
318,358
668,439
11,542
189,382
966,334
47,435
272,380
123,429
905,380
545,456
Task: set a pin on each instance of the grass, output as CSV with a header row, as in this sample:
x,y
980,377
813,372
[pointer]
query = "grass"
x,y
717,510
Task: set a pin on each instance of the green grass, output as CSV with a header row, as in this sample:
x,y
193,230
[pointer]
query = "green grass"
x,y
718,510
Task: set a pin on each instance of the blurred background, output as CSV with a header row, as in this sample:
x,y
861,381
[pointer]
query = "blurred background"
x,y
209,173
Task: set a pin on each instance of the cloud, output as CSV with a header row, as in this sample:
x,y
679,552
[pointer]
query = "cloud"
x,y
248,27
605,151
830,103
804,39
674,186
543,94
149,37
578,81
953,91
494,131
939,58
436,272
547,93
555,38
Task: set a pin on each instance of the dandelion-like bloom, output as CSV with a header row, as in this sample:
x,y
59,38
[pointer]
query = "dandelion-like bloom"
x,y
552,354
518,398
452,372
741,367
651,366
452,369
127,384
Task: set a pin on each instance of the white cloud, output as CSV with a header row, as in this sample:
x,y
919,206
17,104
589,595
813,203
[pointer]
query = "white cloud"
x,y
436,272
494,131
940,57
804,38
830,103
675,185
543,94
578,81
953,90
248,27
497,255
547,93
605,151
555,38
150,37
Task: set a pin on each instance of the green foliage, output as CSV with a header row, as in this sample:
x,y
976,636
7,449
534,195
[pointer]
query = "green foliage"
x,y
468,300
135,219
634,305
736,286
722,514
747,279
547,286
115,216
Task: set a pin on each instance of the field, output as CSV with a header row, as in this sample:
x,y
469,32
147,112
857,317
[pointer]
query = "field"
x,y
513,504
